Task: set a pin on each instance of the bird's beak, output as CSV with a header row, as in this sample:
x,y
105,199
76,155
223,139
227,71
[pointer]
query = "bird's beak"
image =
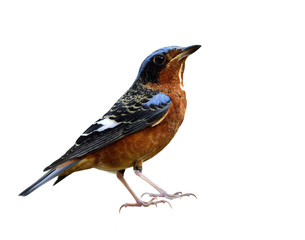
x,y
186,52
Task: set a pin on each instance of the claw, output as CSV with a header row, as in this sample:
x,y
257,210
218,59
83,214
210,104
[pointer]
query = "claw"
x,y
191,194
144,204
180,194
152,199
146,193
163,201
168,196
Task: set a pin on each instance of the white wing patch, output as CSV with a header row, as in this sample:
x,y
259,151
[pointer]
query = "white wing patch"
x,y
106,123
102,125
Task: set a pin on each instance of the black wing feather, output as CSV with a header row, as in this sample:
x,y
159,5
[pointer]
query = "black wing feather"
x,y
132,113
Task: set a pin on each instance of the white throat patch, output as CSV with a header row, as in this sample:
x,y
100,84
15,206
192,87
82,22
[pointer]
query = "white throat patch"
x,y
181,76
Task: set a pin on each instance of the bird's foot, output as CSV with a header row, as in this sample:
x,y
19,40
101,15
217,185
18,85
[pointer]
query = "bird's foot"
x,y
168,196
141,203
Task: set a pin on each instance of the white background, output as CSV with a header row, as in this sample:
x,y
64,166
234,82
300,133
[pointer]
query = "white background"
x,y
240,150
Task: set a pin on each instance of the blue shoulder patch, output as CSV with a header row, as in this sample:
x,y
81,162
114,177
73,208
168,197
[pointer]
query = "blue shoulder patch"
x,y
158,99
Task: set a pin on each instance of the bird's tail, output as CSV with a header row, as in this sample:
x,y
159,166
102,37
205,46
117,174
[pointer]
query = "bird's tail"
x,y
48,176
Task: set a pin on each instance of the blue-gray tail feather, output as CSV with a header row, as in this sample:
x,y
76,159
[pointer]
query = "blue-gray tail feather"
x,y
47,177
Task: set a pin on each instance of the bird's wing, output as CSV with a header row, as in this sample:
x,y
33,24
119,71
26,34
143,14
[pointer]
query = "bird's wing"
x,y
131,113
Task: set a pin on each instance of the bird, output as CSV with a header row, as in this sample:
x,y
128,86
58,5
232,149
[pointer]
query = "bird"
x,y
136,128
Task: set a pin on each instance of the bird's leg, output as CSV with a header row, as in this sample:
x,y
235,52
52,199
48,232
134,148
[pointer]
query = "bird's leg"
x,y
162,193
139,202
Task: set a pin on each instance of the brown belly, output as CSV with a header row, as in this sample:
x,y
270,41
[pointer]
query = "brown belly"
x,y
136,147
140,146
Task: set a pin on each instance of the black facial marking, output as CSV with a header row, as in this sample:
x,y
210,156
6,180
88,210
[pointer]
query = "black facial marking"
x,y
152,66
159,59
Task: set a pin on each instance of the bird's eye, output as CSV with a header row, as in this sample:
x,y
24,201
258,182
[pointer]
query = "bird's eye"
x,y
159,59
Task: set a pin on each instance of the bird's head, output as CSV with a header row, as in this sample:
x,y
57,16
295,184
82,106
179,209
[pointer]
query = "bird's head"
x,y
165,65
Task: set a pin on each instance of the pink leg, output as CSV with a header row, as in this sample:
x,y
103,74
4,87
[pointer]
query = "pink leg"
x,y
162,193
139,202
